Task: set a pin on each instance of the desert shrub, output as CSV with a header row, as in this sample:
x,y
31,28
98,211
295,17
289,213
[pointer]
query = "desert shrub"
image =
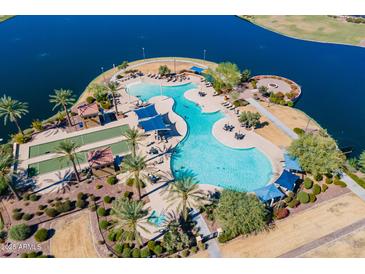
x,y
151,245
202,246
34,197
303,197
27,216
158,250
41,235
81,196
225,237
93,207
20,138
126,252
339,183
3,236
288,199
39,213
107,199
324,187
102,212
290,103
104,224
318,177
136,253
294,203
65,206
194,249
90,99
316,189
118,249
17,215
185,253
50,201
281,213
51,212
81,203
130,182
42,207
20,232
128,194
329,181
92,197
98,186
112,180
312,198
308,183
145,253
298,131
26,196
16,210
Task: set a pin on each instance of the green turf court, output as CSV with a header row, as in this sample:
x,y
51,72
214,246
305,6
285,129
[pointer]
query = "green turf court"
x,y
59,163
81,140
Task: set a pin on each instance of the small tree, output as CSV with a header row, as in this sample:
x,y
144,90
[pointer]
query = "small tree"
x,y
68,149
37,125
250,119
12,110
241,213
20,232
226,74
63,98
164,70
361,161
246,75
317,153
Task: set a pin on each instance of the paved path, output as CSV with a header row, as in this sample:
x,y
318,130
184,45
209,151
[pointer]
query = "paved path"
x,y
213,248
353,186
272,118
297,252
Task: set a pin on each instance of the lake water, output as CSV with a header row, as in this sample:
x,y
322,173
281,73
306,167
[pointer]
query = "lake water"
x,y
41,53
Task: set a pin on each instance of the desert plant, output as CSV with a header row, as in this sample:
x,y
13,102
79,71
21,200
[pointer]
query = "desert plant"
x,y
41,235
112,180
308,183
20,232
316,189
303,197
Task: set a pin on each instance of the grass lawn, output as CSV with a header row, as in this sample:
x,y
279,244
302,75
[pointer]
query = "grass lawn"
x,y
313,27
5,17
81,140
60,163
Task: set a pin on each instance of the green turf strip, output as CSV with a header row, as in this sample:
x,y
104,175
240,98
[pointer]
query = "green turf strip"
x,y
81,140
60,163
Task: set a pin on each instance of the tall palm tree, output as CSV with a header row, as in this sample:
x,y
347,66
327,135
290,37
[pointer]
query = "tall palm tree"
x,y
6,161
63,98
133,137
184,191
131,217
362,160
12,110
136,165
67,149
112,87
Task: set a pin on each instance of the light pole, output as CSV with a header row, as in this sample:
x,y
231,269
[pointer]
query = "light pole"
x,y
144,55
205,51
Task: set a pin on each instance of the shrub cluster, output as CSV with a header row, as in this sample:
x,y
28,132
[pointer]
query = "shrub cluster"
x,y
294,203
112,180
281,213
316,189
102,212
41,235
104,224
20,232
308,183
303,197
339,183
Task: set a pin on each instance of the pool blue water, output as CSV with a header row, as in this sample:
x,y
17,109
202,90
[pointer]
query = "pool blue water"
x,y
200,154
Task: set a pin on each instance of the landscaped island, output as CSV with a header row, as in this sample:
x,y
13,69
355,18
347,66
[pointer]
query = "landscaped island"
x,y
158,158
5,17
320,28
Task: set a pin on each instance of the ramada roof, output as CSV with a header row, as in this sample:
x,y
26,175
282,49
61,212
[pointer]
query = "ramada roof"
x,y
85,109
100,157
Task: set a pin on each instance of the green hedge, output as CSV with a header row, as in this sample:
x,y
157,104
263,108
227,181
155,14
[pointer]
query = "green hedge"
x,y
312,198
41,235
104,224
358,180
112,180
303,197
339,183
324,187
316,189
308,183
294,203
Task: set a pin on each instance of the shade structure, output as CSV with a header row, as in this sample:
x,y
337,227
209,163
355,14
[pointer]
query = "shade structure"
x,y
155,123
268,193
146,112
197,69
287,180
100,157
291,163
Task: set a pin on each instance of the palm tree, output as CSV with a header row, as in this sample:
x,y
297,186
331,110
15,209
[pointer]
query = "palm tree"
x,y
112,87
362,160
184,191
67,149
131,218
136,165
133,137
63,98
6,161
12,110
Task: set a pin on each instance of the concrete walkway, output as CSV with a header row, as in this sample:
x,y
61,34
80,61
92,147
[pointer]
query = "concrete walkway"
x,y
213,248
272,118
324,240
353,186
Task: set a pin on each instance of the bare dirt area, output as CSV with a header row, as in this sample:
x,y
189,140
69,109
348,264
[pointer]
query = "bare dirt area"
x,y
299,229
73,237
349,246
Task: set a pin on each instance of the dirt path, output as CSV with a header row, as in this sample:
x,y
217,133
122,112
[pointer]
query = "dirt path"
x,y
299,229
73,238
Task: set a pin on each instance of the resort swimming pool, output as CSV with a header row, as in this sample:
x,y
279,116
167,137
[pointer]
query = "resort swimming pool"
x,y
200,154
